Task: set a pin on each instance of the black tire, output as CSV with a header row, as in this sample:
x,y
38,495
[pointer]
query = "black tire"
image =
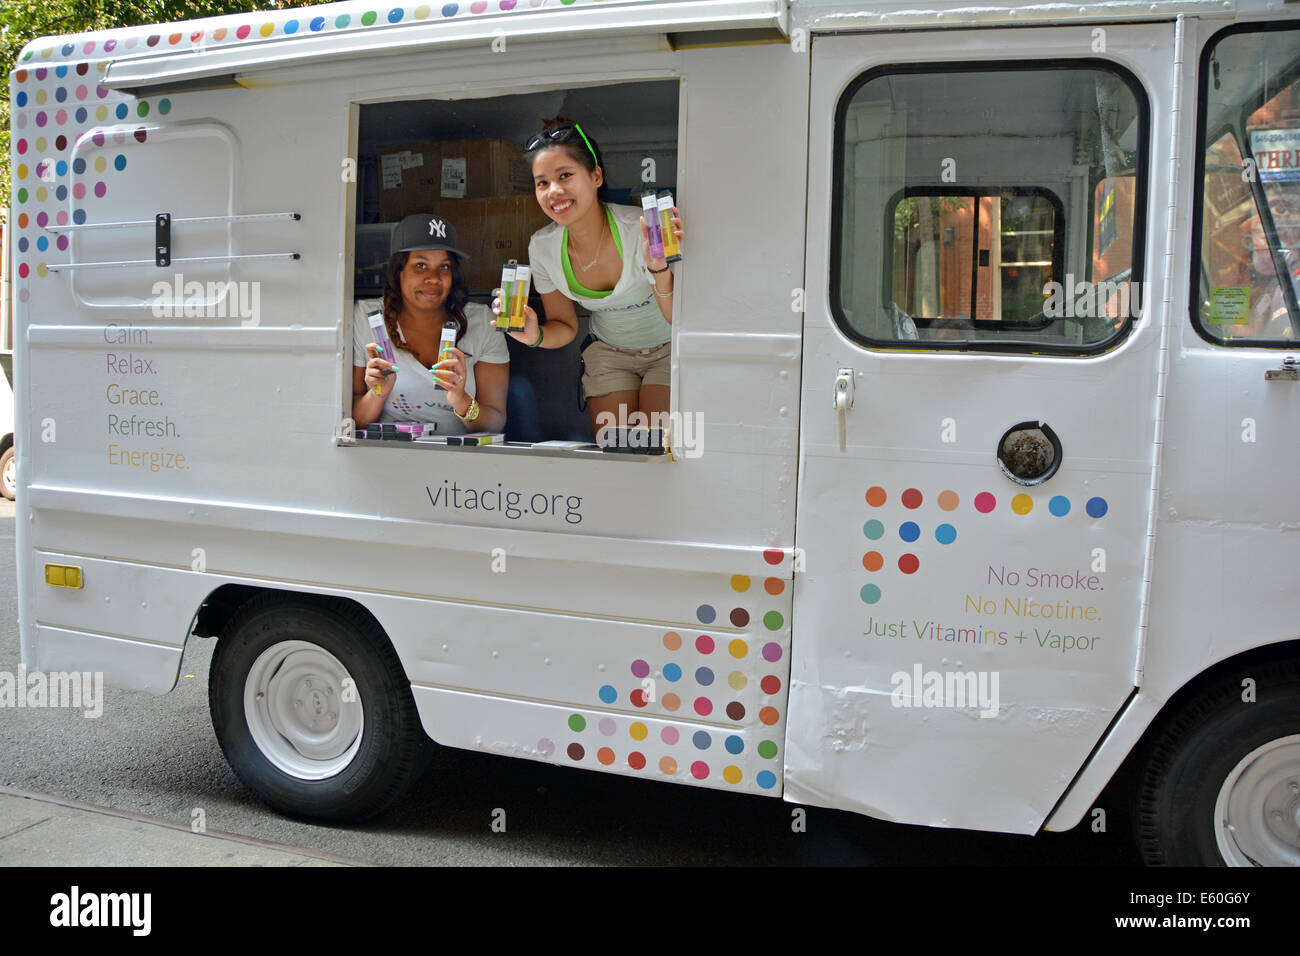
x,y
1194,753
386,753
8,488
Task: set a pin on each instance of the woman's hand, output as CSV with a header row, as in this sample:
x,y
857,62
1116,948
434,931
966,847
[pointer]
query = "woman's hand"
x,y
532,330
450,374
379,372
676,219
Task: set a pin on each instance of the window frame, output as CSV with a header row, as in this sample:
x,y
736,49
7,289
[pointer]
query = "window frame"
x,y
977,193
353,200
1141,167
1262,208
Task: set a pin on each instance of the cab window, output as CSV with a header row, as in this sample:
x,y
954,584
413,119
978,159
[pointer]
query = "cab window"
x,y
1248,227
1012,203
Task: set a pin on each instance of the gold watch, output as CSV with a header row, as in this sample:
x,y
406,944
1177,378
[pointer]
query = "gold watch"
x,y
471,413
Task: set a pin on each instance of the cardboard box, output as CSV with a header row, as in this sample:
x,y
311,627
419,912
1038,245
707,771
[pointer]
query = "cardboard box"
x,y
492,231
419,176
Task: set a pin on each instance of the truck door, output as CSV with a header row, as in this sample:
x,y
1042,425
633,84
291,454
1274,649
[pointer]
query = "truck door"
x,y
980,378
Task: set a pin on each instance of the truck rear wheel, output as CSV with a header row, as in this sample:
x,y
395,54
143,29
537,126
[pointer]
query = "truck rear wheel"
x,y
1221,785
313,710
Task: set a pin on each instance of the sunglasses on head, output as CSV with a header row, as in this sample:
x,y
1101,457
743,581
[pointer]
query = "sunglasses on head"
x,y
558,134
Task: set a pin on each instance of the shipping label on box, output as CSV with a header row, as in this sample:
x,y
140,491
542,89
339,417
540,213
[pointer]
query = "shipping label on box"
x,y
390,171
454,172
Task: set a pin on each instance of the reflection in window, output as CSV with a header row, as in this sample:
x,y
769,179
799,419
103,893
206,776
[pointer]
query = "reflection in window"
x,y
983,257
1010,202
1249,272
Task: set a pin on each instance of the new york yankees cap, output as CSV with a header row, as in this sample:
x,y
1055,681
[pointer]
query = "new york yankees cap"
x,y
425,230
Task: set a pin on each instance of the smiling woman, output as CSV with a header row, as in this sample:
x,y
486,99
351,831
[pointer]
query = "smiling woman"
x,y
599,256
426,291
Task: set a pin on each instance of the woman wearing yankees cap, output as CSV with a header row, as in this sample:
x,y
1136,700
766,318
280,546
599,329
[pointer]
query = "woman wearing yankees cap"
x,y
425,289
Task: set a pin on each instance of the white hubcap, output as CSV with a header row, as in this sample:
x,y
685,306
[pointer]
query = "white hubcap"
x,y
303,710
1257,815
10,476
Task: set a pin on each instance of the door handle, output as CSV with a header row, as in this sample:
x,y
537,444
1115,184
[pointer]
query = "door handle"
x,y
843,398
844,390
1289,372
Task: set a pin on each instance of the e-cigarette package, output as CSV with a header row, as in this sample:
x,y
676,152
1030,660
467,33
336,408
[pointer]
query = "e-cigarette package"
x,y
650,211
515,285
448,339
672,248
379,333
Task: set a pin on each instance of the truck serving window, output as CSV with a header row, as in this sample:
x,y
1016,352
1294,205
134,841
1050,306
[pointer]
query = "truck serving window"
x,y
463,160
990,209
1248,222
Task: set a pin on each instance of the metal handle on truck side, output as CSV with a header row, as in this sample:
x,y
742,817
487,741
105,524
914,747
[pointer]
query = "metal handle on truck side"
x,y
1289,372
162,245
843,398
844,390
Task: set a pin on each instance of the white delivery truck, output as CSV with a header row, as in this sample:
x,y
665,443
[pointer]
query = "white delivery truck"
x,y
983,484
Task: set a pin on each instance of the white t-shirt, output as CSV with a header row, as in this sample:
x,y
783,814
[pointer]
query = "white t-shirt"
x,y
410,395
628,317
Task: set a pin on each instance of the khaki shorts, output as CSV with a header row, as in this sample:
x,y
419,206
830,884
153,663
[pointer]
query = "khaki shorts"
x,y
623,370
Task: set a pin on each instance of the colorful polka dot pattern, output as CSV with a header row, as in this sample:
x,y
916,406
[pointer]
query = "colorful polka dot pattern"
x,y
57,98
268,25
71,139
945,532
697,707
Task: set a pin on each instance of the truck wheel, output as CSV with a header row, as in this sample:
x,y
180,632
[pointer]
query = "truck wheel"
x,y
1221,786
313,710
9,474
